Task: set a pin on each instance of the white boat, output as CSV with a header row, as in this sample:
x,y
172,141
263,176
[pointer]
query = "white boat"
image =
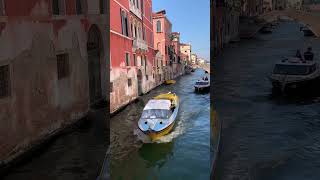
x,y
295,74
159,115
202,84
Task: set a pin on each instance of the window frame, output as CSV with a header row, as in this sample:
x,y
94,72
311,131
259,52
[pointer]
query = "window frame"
x,y
159,28
111,87
83,5
134,59
60,13
7,81
65,71
124,22
3,10
127,59
102,6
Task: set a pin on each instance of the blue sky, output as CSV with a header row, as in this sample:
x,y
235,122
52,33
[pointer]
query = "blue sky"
x,y
192,19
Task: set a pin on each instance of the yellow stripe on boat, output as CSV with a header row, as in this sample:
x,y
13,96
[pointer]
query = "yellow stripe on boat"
x,y
157,135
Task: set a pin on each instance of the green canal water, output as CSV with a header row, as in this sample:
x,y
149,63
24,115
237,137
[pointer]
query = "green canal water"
x,y
182,154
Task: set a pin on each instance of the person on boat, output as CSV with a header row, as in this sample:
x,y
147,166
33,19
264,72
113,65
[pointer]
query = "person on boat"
x,y
298,54
308,55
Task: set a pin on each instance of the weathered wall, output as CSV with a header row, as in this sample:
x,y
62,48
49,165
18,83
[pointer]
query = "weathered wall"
x,y
39,103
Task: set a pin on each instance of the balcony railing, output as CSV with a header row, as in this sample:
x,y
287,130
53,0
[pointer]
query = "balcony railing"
x,y
135,10
140,44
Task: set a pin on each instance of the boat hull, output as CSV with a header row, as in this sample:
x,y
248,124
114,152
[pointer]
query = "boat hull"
x,y
201,89
296,87
169,82
155,135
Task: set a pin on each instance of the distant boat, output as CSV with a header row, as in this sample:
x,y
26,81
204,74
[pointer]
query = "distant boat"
x,y
159,115
202,84
168,82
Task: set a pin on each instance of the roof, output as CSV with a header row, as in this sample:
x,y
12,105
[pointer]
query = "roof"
x,y
158,104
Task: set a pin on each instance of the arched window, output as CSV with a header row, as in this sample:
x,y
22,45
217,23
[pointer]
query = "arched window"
x,y
158,26
124,23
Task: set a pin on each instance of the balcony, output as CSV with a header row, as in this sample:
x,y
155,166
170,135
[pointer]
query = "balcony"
x,y
139,44
135,10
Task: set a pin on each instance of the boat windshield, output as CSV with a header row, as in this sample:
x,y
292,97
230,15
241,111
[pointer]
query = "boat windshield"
x,y
156,114
294,69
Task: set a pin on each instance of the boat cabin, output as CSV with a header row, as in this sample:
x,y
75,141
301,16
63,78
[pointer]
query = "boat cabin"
x,y
295,67
157,109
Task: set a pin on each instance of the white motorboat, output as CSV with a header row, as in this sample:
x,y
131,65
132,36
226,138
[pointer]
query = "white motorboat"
x,y
159,115
202,84
295,74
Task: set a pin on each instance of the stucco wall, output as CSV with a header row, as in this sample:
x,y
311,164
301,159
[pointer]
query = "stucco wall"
x,y
39,103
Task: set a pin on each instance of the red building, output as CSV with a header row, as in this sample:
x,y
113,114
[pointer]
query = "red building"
x,y
162,28
52,68
132,56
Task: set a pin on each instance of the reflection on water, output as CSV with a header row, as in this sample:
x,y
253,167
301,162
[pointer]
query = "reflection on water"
x,y
172,156
265,135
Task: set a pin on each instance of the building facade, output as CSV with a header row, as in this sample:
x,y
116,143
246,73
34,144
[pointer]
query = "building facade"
x,y
162,28
132,56
52,68
187,51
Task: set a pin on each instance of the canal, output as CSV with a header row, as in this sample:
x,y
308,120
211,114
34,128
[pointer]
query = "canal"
x,y
182,154
265,136
76,154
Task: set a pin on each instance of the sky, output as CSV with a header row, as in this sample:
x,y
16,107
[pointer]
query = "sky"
x,y
192,19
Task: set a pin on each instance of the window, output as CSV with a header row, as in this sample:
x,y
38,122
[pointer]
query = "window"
x,y
137,4
81,6
144,33
2,8
153,76
129,82
4,81
127,59
142,7
58,7
111,87
158,26
103,7
63,65
134,60
124,23
146,61
147,77
135,31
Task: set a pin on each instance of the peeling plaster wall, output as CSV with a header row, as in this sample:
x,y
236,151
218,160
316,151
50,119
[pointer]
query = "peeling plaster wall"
x,y
40,103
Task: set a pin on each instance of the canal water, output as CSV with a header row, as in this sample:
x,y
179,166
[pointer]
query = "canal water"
x,y
182,154
76,154
265,136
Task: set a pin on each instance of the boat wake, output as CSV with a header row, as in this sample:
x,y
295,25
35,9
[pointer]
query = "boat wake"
x,y
177,131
